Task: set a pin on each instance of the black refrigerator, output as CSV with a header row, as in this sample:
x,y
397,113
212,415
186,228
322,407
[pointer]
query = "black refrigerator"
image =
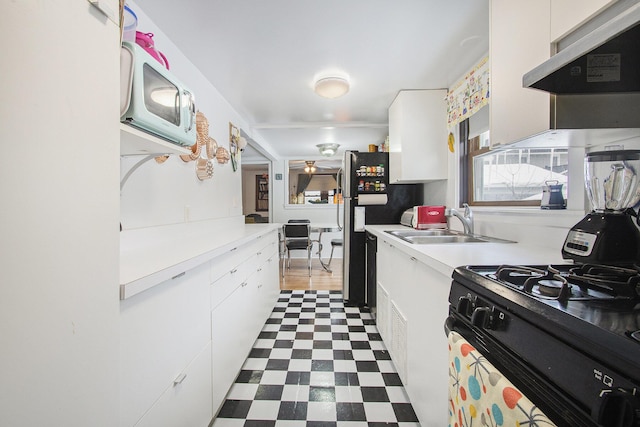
x,y
368,199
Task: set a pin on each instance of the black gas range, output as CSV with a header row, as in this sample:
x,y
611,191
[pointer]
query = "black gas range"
x,y
568,336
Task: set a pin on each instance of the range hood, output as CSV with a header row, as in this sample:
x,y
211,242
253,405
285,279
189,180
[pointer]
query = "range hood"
x,y
594,78
605,59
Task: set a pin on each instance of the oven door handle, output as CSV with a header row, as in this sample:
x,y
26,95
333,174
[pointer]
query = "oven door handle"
x,y
449,325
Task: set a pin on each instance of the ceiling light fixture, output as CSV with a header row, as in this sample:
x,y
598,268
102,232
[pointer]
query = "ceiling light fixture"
x,y
328,150
310,168
331,87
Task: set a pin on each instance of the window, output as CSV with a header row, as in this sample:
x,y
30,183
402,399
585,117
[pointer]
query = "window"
x,y
514,176
312,182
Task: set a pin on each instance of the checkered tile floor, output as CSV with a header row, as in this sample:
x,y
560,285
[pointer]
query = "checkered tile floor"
x,y
317,363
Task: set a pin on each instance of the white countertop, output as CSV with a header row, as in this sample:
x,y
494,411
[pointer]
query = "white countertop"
x,y
149,256
447,256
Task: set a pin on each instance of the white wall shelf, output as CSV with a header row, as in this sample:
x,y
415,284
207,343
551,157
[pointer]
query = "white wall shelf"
x,y
134,142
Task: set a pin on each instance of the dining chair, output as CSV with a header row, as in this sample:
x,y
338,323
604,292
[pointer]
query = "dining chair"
x,y
334,243
297,236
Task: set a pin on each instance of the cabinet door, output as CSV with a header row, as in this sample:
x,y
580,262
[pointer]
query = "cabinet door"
x,y
417,136
187,401
427,354
519,42
162,330
228,336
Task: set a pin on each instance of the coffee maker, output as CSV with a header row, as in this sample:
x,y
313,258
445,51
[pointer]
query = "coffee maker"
x,y
608,234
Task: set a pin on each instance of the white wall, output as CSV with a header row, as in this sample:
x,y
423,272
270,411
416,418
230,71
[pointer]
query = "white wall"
x,y
170,193
60,207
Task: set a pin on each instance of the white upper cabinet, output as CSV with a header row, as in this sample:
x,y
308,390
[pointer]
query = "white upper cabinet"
x,y
519,41
567,15
418,136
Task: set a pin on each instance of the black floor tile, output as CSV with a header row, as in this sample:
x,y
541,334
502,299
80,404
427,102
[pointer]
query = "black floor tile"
x,y
350,411
404,412
374,394
322,365
301,378
292,411
235,409
269,392
322,394
249,377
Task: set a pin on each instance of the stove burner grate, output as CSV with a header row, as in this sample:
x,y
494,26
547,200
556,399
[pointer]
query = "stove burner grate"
x,y
592,282
618,281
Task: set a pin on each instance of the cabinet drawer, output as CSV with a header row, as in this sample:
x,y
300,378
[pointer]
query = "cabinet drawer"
x,y
161,330
267,251
187,401
225,285
228,261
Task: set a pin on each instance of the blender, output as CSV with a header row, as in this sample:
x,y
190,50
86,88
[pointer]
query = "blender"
x,y
608,234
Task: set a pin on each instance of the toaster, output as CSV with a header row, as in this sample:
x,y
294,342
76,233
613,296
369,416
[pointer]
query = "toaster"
x,y
407,218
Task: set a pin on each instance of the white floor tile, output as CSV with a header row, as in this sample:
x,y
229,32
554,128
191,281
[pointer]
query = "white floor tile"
x,y
300,365
322,354
370,379
242,391
363,355
379,412
348,394
345,366
321,411
264,410
281,353
273,377
255,364
321,378
295,393
397,395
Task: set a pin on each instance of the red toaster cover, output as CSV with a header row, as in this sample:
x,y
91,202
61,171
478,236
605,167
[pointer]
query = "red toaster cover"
x,y
429,217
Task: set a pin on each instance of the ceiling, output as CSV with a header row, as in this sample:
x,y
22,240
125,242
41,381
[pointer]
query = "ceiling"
x,y
264,55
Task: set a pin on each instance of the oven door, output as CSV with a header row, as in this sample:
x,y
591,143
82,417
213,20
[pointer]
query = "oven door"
x,y
478,390
517,389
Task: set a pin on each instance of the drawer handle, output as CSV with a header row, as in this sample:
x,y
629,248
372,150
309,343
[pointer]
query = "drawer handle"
x,y
243,284
233,249
179,275
179,380
259,253
259,269
234,271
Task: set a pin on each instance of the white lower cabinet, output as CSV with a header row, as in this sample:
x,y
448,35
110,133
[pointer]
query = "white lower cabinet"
x,y
241,303
415,305
184,341
163,330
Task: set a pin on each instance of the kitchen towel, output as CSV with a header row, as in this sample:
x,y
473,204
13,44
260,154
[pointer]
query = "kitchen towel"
x,y
480,395
372,199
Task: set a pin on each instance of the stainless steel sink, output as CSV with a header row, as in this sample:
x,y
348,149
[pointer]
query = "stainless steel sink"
x,y
426,237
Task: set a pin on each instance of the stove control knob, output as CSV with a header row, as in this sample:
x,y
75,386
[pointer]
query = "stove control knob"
x,y
465,305
482,317
619,408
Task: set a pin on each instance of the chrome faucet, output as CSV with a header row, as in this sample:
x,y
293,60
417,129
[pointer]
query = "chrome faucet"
x,y
466,218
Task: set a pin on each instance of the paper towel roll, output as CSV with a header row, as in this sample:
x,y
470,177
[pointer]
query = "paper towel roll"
x,y
372,199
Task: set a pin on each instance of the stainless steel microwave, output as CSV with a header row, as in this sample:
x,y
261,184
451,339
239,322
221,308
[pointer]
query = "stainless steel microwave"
x,y
153,99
